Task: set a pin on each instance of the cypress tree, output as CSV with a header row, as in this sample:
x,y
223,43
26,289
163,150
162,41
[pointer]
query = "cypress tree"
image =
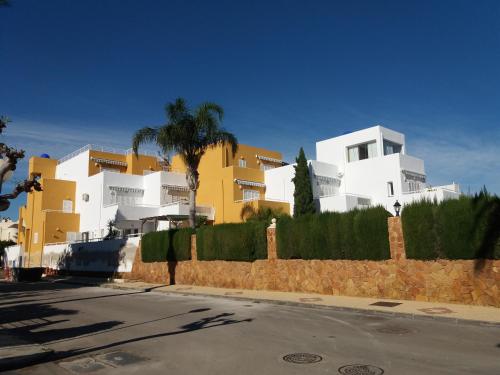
x,y
302,196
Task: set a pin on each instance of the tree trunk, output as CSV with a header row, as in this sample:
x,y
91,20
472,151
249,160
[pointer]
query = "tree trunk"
x,y
192,181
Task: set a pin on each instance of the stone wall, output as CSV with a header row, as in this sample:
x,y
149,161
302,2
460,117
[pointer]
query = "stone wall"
x,y
454,281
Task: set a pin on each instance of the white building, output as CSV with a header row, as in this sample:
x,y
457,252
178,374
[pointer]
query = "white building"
x,y
8,230
360,169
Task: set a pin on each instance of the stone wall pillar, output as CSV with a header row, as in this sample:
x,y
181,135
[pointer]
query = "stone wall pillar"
x,y
194,254
272,252
396,239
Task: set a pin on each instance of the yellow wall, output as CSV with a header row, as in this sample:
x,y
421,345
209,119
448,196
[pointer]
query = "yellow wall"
x,y
42,215
135,164
218,169
57,224
140,163
42,167
95,167
55,192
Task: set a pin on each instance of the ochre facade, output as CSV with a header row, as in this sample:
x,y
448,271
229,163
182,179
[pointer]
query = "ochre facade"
x,y
225,177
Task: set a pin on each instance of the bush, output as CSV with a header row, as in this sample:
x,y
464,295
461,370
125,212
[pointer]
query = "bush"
x,y
465,228
238,242
419,230
357,234
167,245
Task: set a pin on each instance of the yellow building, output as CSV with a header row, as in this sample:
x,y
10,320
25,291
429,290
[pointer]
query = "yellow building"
x,y
229,182
51,214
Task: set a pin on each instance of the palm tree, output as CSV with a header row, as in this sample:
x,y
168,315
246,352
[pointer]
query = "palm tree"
x,y
189,133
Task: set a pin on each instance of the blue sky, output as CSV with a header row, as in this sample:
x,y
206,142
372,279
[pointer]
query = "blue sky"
x,y
288,73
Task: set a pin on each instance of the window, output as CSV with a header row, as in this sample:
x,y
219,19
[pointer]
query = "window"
x,y
266,167
364,202
390,189
327,185
391,147
85,236
242,163
413,186
125,196
250,195
227,158
362,151
35,237
67,206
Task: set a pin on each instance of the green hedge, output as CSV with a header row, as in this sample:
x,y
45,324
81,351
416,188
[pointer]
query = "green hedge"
x,y
357,234
238,242
465,228
167,245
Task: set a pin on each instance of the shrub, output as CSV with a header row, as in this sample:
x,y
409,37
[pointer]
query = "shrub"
x,y
357,234
419,230
465,228
167,245
238,242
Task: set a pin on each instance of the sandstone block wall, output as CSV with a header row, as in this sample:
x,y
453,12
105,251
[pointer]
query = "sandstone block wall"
x,y
453,281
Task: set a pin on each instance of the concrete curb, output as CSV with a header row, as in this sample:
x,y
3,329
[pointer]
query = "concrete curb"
x,y
317,306
15,357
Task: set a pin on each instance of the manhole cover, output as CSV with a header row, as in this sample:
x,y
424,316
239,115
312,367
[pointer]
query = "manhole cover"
x,y
82,365
385,304
310,299
360,370
302,358
437,310
393,330
119,358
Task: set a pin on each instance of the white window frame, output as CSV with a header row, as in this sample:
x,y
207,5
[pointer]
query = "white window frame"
x,y
251,195
67,206
242,163
353,151
390,188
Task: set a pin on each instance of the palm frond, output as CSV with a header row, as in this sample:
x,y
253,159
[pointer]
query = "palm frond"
x,y
225,138
177,110
143,135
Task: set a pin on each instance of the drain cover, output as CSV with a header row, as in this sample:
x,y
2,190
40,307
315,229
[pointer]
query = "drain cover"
x,y
360,370
394,330
119,358
385,304
302,358
83,365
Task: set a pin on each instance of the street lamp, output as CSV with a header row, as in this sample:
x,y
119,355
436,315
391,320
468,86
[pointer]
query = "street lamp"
x,y
397,207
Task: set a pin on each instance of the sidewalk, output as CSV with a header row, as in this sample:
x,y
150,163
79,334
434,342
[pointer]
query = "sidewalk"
x,y
15,352
468,314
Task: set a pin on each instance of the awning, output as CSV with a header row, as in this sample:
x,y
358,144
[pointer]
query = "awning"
x,y
175,187
249,183
109,161
126,189
272,160
326,180
414,176
165,218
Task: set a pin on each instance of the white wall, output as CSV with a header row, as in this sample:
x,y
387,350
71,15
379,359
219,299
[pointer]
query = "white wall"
x,y
91,219
318,168
279,185
99,256
13,256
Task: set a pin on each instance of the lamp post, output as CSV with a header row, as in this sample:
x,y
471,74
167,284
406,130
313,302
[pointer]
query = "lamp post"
x,y
397,207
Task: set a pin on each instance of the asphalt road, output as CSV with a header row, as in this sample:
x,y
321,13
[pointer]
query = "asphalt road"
x,y
104,331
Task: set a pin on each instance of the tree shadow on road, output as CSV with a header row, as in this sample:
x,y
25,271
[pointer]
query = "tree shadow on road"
x,y
204,323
